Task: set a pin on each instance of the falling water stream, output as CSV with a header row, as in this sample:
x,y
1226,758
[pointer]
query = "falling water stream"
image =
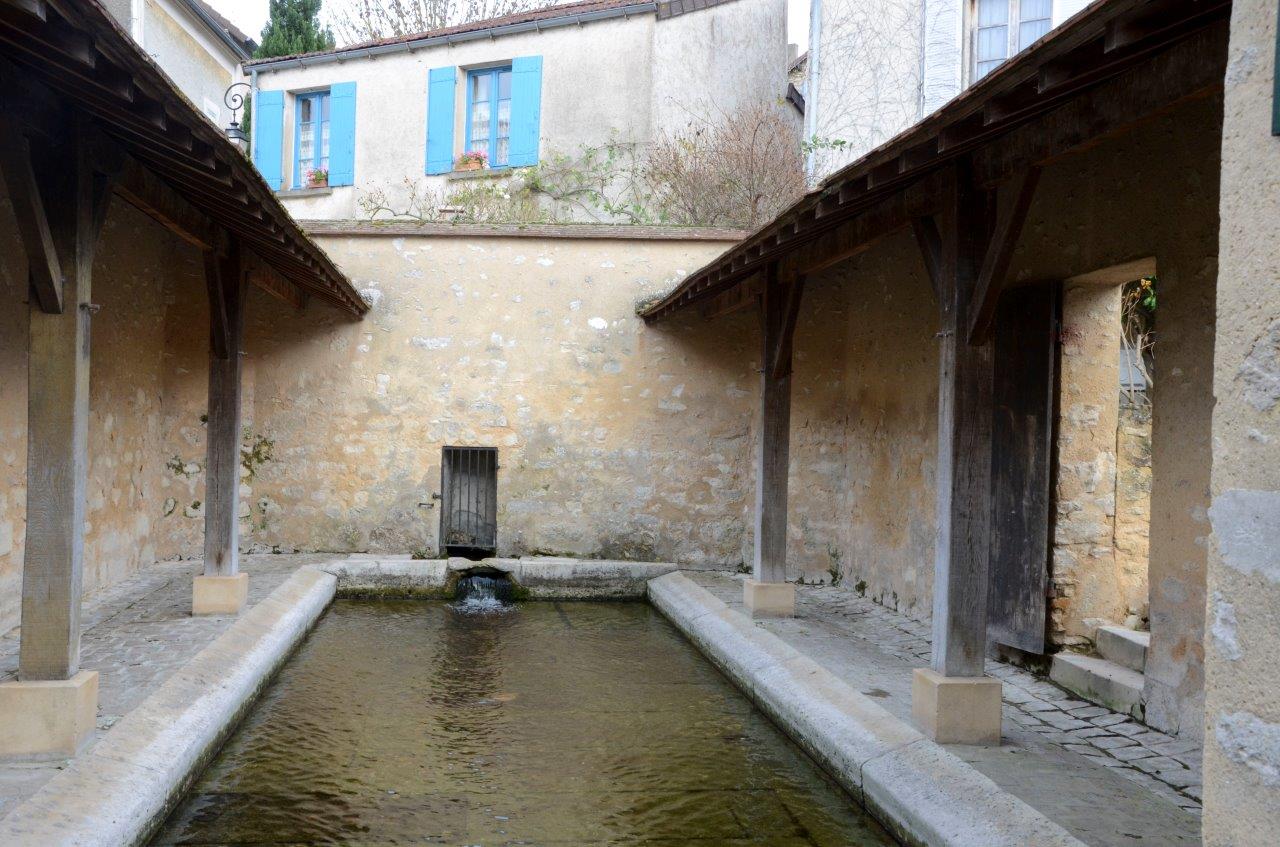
x,y
484,594
550,723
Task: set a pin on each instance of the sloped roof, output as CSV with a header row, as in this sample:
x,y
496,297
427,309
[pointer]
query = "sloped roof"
x,y
607,8
77,50
1097,44
227,31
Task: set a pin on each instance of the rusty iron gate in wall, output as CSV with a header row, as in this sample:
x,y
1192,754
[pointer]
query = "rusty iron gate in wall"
x,y
469,501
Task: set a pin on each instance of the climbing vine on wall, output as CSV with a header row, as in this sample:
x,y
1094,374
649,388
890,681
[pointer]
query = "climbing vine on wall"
x,y
736,170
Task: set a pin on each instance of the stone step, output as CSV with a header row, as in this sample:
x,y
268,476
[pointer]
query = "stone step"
x,y
1100,681
1123,646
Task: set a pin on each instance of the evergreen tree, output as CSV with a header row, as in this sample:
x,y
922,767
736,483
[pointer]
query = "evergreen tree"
x,y
293,27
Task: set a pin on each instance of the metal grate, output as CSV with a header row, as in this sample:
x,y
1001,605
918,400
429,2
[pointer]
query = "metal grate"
x,y
469,495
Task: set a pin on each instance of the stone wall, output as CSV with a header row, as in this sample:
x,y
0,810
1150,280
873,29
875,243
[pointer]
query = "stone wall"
x,y
138,266
1242,704
1133,503
1103,484
614,440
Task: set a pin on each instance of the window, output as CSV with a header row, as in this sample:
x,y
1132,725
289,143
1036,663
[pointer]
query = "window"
x,y
489,114
1005,27
311,136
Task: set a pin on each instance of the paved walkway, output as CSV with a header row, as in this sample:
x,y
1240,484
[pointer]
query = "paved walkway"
x,y
1105,778
136,634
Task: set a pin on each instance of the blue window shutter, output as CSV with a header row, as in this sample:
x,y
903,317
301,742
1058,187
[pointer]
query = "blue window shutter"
x,y
342,133
526,110
268,137
441,84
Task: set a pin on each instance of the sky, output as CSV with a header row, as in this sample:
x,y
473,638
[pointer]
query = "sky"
x,y
251,15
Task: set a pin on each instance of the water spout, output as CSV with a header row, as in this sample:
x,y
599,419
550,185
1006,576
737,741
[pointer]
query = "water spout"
x,y
484,592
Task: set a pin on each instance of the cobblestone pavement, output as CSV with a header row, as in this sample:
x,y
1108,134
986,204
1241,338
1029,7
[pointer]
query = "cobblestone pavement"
x,y
1103,776
135,634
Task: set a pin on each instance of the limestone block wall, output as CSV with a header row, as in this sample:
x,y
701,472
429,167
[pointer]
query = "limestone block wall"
x,y
615,440
1100,209
1133,502
137,263
891,380
1242,704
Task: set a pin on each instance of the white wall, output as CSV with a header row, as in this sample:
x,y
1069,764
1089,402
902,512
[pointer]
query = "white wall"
x,y
884,65
623,78
197,60
712,62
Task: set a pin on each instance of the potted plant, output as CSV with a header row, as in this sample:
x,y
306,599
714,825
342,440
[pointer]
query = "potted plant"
x,y
317,178
472,160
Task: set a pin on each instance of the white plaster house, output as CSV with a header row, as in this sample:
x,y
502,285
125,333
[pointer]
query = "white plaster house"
x,y
516,88
878,66
197,47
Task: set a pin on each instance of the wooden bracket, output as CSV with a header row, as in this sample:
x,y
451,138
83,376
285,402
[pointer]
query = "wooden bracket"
x,y
930,241
219,329
1010,216
780,365
33,221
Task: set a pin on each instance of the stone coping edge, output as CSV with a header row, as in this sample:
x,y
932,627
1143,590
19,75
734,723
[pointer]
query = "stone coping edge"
x,y
540,578
318,228
120,791
923,794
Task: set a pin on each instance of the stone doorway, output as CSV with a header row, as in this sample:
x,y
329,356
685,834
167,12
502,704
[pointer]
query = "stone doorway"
x,y
1100,554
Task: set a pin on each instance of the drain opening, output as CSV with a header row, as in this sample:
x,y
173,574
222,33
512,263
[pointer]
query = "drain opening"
x,y
488,587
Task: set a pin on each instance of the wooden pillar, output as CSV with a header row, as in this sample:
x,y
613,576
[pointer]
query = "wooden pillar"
x,y
768,593
963,474
952,700
223,589
60,204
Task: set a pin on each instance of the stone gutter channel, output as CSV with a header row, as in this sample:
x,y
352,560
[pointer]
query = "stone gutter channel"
x,y
118,792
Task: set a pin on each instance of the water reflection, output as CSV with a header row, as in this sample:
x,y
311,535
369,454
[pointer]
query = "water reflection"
x,y
579,723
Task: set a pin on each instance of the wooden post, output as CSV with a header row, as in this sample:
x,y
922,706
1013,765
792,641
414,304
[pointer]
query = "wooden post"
x,y
952,701
57,413
767,593
51,708
223,589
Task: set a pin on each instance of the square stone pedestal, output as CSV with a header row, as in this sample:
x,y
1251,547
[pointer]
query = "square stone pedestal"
x,y
219,595
769,599
956,709
47,719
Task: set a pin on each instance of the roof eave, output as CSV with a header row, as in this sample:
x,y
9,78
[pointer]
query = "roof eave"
x,y
347,54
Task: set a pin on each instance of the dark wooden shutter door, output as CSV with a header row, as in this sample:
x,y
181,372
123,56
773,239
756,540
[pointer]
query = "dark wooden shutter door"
x,y
1025,390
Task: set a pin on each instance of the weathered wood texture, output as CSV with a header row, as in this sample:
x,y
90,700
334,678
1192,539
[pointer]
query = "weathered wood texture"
x,y
964,441
44,266
226,281
57,419
779,305
1025,338
1014,202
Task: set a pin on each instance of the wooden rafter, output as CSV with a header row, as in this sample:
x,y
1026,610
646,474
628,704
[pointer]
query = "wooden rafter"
x,y
1175,47
1015,201
81,55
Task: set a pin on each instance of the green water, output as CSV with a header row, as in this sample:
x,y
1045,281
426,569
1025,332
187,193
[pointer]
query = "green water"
x,y
555,723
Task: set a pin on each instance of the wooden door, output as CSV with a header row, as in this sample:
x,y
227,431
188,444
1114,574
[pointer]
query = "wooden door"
x,y
1022,432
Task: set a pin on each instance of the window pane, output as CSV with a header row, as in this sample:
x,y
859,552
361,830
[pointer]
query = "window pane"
x,y
992,43
1030,31
504,132
504,85
480,87
306,144
1034,10
324,142
993,12
304,109
480,126
324,107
